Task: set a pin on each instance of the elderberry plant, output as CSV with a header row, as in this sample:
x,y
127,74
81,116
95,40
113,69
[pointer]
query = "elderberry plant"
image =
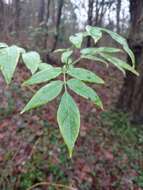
x,y
74,78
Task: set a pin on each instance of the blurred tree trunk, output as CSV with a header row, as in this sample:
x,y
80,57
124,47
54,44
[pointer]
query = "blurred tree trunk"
x,y
53,12
46,24
90,19
17,12
100,9
41,11
131,98
101,14
48,9
58,22
118,15
1,15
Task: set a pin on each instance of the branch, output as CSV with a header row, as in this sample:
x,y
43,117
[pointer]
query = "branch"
x,y
52,184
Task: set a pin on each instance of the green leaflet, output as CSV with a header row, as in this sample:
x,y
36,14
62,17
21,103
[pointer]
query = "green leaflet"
x,y
21,50
68,117
66,56
44,95
118,39
44,66
31,60
94,58
76,40
94,51
3,50
83,90
70,61
85,75
44,76
119,63
94,32
8,61
3,45
123,42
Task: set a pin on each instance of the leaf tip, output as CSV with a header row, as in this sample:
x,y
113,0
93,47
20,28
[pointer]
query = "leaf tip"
x,y
70,152
22,112
8,83
102,108
7,80
24,83
102,81
137,74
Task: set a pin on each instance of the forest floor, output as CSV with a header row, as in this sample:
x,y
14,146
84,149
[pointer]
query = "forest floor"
x,y
108,154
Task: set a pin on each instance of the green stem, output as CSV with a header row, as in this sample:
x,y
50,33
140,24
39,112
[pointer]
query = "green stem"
x,y
65,82
76,61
